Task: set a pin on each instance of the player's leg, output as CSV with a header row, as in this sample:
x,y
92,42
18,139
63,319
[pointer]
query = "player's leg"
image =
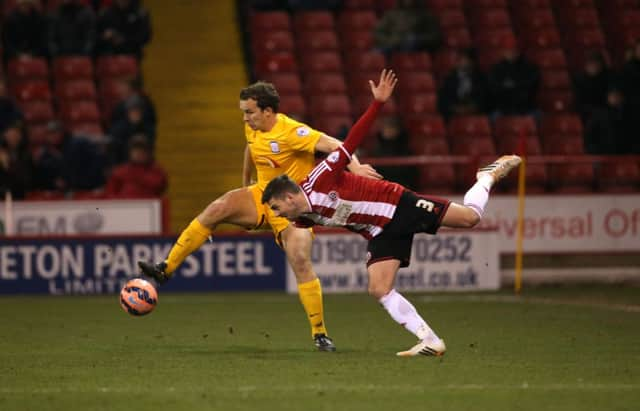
x,y
475,200
296,243
234,207
382,276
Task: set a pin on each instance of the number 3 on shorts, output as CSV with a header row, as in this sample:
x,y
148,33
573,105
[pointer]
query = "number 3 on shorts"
x,y
427,205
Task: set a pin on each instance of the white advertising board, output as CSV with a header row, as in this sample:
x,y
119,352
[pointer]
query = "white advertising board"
x,y
579,223
451,260
79,217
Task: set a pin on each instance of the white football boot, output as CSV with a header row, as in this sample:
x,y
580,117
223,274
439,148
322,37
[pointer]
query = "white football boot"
x,y
499,168
435,348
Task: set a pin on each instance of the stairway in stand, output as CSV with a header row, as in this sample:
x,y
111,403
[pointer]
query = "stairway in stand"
x,y
194,70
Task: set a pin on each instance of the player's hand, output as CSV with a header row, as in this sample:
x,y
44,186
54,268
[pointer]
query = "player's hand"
x,y
365,170
385,87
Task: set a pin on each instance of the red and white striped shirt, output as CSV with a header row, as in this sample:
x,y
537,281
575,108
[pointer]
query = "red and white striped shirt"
x,y
341,199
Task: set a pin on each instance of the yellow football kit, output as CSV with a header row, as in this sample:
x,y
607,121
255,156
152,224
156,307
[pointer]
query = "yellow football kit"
x,y
288,148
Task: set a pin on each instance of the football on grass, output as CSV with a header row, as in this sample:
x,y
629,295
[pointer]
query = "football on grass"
x,y
138,297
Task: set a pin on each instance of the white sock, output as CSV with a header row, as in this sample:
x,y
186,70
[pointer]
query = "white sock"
x,y
405,314
478,195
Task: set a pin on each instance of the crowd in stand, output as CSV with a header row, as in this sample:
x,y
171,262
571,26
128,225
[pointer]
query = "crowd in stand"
x,y
66,163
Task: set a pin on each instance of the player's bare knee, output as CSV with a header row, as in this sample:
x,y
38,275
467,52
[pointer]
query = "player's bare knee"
x,y
378,291
471,218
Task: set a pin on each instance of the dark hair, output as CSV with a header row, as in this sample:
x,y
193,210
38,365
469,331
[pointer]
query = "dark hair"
x,y
265,95
279,186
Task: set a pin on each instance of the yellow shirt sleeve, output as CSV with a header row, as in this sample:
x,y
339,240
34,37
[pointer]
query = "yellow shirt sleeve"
x,y
301,137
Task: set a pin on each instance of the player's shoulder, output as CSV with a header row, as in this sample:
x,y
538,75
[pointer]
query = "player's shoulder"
x,y
294,127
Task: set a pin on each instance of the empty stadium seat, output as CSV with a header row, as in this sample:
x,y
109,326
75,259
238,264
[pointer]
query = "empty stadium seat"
x,y
311,41
579,18
25,69
357,40
76,90
562,124
478,4
430,126
360,103
418,104
473,146
555,79
571,178
35,90
514,126
549,58
416,82
80,112
121,66
285,83
421,144
555,101
294,106
272,42
37,112
491,18
543,38
358,81
457,38
513,144
567,144
445,60
72,68
282,62
493,38
619,177
332,125
269,20
313,20
359,4
535,20
325,83
331,104
411,61
462,126
356,20
326,61
587,38
440,5
451,18
437,179
365,61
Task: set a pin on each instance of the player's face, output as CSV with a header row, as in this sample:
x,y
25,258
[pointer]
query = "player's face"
x,y
285,207
254,116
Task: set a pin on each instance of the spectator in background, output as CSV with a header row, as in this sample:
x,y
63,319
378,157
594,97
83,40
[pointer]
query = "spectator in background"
x,y
10,113
392,141
123,28
16,168
591,85
133,123
612,130
513,82
630,77
25,31
130,90
140,177
49,162
85,163
72,30
408,27
464,89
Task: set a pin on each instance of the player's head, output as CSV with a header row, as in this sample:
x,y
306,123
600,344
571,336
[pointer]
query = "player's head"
x,y
259,102
284,197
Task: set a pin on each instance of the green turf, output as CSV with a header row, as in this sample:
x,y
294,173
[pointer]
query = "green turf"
x,y
552,349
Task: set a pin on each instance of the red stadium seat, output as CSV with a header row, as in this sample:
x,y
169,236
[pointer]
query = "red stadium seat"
x,y
589,38
311,41
332,125
76,90
571,178
121,66
485,4
80,112
89,128
294,106
421,144
535,20
473,146
575,19
26,69
361,102
414,61
331,104
437,180
493,38
357,40
418,104
543,39
531,4
365,61
416,82
358,81
359,4
429,126
489,57
462,126
483,19
619,177
272,42
514,126
451,18
325,83
45,195
72,68
356,20
555,80
36,90
511,144
555,101
570,144
313,20
457,38
562,124
444,61
326,61
552,58
276,63
574,4
439,5
37,112
268,21
286,83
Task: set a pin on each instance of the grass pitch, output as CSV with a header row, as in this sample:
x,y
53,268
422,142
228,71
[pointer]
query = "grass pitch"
x,y
551,349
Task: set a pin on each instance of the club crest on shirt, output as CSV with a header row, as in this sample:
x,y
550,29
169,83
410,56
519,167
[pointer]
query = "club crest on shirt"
x,y
333,157
303,131
275,148
333,195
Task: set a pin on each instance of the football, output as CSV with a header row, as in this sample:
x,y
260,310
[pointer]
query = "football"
x,y
138,297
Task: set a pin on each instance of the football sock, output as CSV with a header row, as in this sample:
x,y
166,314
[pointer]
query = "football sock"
x,y
405,314
478,195
189,241
311,299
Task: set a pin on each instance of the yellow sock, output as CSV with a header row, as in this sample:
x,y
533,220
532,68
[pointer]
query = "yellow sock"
x,y
311,298
189,241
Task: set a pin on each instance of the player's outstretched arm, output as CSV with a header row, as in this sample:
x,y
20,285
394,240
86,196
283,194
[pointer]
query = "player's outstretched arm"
x,y
328,144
